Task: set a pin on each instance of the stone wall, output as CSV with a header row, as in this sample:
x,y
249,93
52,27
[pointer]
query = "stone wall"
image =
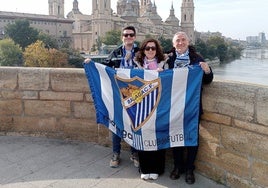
x,y
56,103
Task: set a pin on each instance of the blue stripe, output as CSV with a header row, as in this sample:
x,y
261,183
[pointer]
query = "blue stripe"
x,y
118,108
163,110
192,103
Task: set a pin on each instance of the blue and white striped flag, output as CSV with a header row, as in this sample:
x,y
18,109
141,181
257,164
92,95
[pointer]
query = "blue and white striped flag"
x,y
150,110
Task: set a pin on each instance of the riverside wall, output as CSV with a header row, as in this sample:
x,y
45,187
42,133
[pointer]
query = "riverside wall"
x,y
56,103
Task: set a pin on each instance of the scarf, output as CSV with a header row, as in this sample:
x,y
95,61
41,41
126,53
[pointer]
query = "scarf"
x,y
182,60
127,63
150,64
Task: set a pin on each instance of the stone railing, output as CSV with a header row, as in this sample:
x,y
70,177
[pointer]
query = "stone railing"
x,y
56,103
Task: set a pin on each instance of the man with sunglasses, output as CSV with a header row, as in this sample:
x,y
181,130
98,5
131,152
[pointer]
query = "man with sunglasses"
x,y
122,57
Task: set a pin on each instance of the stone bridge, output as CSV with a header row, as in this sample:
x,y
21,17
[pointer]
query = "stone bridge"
x,y
56,103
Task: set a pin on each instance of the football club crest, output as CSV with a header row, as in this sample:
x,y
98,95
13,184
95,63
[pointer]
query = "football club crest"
x,y
139,98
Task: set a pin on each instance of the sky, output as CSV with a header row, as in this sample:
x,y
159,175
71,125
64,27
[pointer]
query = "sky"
x,y
236,19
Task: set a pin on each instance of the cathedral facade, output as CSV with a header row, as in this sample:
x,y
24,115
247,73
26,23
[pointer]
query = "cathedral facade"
x,y
83,31
143,15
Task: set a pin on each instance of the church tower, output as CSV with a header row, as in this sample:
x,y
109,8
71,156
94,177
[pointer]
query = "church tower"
x,y
187,18
143,6
56,8
101,19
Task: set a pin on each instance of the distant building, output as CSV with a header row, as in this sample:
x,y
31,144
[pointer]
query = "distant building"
x,y
84,31
206,35
142,15
54,25
260,39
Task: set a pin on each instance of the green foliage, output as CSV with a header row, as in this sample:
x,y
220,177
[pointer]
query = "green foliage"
x,y
165,43
48,40
74,57
21,33
112,37
217,47
147,36
10,53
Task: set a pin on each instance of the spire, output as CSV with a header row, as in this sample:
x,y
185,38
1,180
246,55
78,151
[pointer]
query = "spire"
x,y
172,19
129,14
75,7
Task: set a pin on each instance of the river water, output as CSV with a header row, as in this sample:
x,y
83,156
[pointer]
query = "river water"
x,y
251,68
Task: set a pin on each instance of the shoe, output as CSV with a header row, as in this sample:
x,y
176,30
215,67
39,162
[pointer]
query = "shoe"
x,y
175,174
135,159
189,177
145,176
153,176
114,163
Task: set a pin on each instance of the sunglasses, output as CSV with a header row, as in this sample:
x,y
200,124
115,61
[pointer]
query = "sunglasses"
x,y
147,48
128,34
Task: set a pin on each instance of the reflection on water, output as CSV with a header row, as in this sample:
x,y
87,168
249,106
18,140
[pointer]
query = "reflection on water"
x,y
251,68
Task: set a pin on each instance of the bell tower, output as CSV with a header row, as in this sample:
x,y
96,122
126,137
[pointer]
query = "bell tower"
x,y
56,8
187,18
101,19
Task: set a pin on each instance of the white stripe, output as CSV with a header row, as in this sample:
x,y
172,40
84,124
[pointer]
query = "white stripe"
x,y
178,100
150,125
125,73
108,94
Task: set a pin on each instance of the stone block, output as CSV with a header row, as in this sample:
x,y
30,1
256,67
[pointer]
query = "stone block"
x,y
65,96
47,108
84,110
232,99
217,118
238,182
8,78
33,79
245,142
35,124
262,106
257,128
218,175
80,129
234,163
19,94
69,80
7,123
260,173
209,132
10,107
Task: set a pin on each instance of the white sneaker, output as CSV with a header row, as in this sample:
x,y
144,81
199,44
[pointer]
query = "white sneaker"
x,y
153,176
145,176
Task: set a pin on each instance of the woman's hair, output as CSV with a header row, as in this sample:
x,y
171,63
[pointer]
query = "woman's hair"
x,y
140,55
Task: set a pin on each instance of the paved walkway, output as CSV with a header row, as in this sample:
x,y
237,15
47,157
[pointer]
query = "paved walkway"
x,y
29,162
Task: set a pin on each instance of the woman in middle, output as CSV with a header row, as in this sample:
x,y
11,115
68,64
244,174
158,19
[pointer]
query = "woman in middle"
x,y
151,57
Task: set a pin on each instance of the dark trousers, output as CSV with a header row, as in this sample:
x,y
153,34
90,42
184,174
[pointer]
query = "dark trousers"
x,y
152,162
184,162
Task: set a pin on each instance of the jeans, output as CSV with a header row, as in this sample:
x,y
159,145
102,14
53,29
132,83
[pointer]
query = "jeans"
x,y
117,145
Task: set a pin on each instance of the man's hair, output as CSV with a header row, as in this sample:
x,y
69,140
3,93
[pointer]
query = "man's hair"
x,y
181,33
130,28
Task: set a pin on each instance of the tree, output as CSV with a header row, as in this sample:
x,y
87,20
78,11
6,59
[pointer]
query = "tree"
x,y
37,55
112,37
10,53
21,33
49,41
165,43
201,47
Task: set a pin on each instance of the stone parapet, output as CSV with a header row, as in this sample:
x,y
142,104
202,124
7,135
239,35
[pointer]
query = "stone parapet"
x,y
56,103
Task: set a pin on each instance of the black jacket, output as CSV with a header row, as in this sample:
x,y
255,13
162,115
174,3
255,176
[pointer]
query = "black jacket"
x,y
115,57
